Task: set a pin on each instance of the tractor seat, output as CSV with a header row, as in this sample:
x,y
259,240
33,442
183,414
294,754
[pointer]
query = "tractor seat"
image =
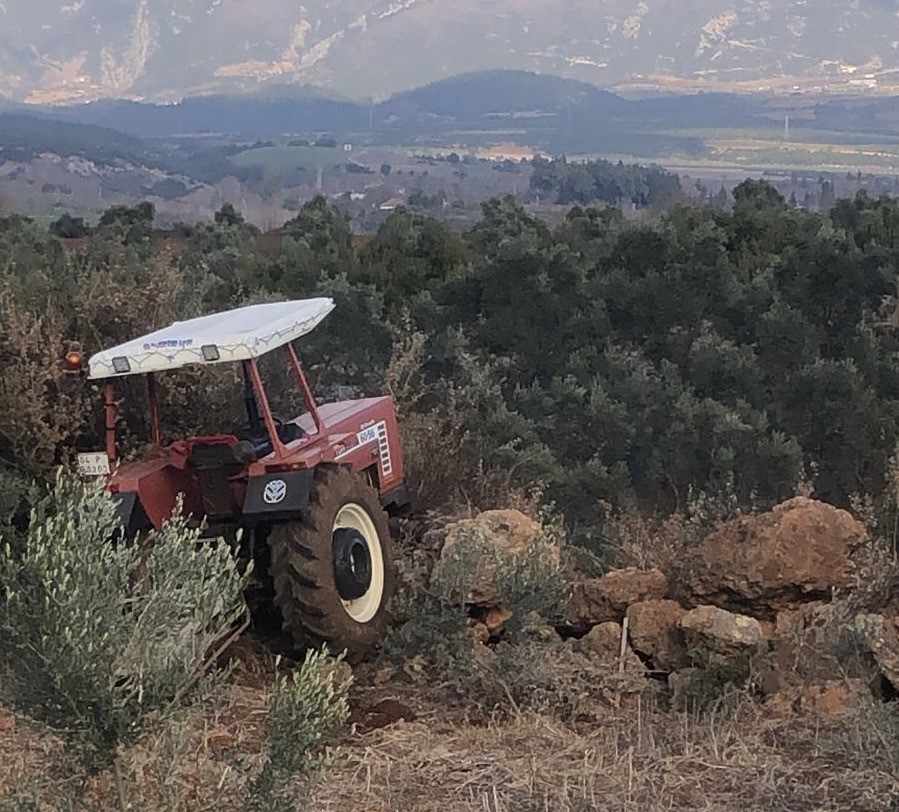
x,y
261,442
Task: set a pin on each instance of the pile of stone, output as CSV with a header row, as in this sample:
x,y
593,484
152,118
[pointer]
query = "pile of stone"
x,y
759,592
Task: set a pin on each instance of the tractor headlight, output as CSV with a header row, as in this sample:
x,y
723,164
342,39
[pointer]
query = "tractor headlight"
x,y
121,364
210,352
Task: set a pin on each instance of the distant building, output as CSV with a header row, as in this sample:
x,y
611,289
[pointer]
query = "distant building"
x,y
507,151
347,147
393,204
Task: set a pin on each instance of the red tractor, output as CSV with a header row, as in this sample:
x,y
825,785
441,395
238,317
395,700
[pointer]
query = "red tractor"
x,y
306,498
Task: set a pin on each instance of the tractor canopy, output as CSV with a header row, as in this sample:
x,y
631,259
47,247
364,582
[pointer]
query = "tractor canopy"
x,y
236,335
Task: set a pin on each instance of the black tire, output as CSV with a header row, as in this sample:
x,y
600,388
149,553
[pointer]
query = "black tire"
x,y
305,576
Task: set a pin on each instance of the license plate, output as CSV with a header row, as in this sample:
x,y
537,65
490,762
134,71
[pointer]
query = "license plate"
x,y
93,464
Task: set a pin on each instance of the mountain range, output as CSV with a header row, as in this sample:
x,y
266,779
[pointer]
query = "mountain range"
x,y
59,51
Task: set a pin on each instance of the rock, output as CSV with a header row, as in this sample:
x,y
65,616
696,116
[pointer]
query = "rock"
x,y
7,723
708,629
380,715
832,700
479,631
603,646
654,633
495,619
603,642
606,599
761,565
835,699
502,534
802,654
881,638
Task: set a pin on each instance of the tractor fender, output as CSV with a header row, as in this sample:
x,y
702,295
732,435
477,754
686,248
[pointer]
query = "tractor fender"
x,y
278,495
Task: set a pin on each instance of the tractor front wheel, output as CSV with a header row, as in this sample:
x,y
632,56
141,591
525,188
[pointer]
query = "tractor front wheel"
x,y
333,570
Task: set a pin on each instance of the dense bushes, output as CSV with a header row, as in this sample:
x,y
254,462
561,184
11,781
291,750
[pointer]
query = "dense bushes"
x,y
609,361
96,636
115,647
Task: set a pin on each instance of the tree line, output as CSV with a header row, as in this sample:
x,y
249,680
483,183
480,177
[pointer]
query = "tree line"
x,y
589,182
609,362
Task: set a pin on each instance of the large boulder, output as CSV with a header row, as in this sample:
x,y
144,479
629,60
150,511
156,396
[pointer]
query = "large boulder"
x,y
603,646
709,630
471,550
764,564
606,599
654,632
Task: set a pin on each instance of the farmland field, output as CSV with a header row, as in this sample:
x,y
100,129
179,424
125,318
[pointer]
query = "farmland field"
x,y
284,158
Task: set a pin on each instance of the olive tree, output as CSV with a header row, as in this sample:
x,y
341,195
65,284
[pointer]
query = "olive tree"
x,y
97,635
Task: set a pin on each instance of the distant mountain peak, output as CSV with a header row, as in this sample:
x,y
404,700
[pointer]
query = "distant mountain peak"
x,y
81,50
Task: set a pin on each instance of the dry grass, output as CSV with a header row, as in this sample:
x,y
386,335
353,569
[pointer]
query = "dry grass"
x,y
643,760
199,762
29,757
637,756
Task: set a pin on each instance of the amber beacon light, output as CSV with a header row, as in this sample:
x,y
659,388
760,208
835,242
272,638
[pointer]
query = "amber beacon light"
x,y
73,362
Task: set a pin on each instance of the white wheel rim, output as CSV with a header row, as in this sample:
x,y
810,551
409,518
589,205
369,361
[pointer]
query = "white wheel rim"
x,y
355,517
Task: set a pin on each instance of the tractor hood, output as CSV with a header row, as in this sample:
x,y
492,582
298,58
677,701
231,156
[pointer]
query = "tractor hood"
x,y
236,335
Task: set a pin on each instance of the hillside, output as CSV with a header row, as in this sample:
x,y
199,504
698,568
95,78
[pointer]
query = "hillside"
x,y
615,588
23,137
487,101
93,49
239,114
555,113
501,93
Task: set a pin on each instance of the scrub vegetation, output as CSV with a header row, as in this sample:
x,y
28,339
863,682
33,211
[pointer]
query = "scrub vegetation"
x,y
624,384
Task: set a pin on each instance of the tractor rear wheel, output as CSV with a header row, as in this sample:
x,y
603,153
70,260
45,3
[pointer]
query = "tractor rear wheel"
x,y
333,569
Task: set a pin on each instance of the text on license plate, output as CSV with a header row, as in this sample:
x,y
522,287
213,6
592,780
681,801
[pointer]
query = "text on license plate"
x,y
93,464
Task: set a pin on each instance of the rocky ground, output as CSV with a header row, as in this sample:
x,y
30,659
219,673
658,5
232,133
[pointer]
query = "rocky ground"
x,y
759,671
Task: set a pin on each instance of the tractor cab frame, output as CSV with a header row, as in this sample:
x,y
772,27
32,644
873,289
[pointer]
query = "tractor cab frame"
x,y
263,472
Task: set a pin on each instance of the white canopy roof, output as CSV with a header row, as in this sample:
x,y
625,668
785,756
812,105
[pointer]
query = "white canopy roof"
x,y
236,335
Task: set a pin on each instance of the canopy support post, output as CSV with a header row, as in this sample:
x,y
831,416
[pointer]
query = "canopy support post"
x,y
110,415
249,399
153,397
262,401
311,405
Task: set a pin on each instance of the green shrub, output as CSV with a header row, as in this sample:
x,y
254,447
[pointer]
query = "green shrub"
x,y
532,579
531,663
97,636
716,682
308,708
